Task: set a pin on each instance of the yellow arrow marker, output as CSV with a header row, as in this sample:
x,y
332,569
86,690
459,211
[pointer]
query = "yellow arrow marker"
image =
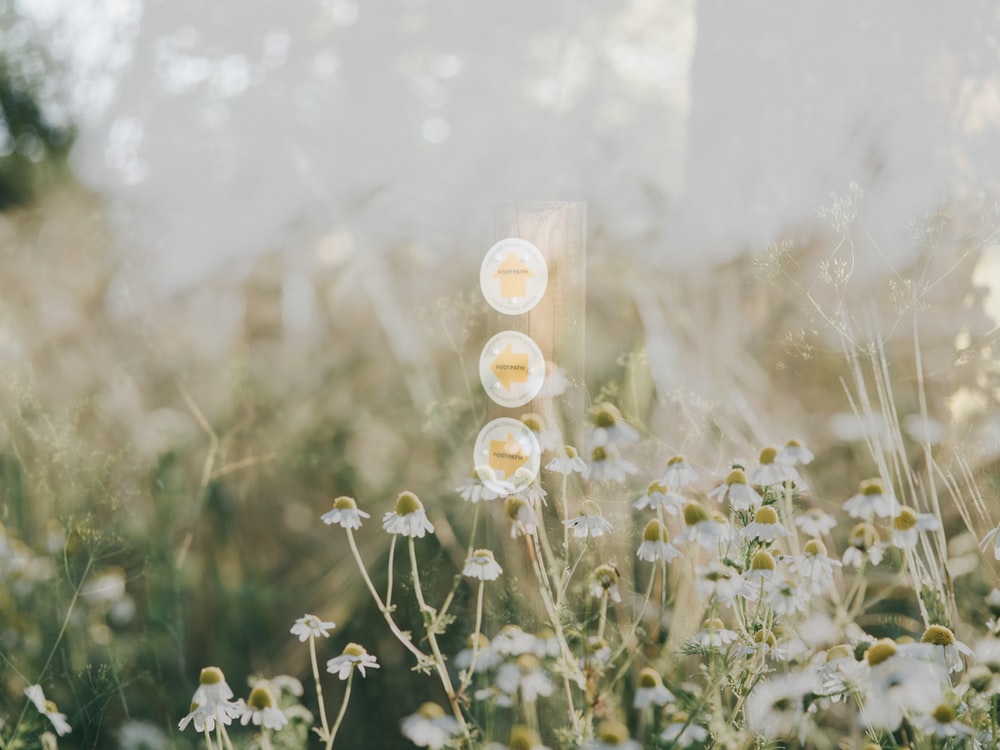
x,y
513,275
510,367
506,456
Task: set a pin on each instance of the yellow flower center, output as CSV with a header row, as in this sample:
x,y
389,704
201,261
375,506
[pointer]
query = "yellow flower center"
x,y
570,451
762,560
863,536
590,508
512,506
532,421
768,455
906,519
766,514
354,649
815,548
944,714
260,698
430,710
528,663
879,651
872,487
736,476
657,488
345,503
649,678
606,416
938,635
765,636
714,624
408,503
523,738
840,651
483,553
694,513
211,676
605,575
612,732
654,532
599,454
678,459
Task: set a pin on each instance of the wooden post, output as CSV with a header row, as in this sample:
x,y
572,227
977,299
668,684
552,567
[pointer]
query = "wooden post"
x,y
556,322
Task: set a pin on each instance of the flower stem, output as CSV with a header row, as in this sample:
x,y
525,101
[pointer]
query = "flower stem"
x,y
319,686
343,710
475,640
429,622
388,586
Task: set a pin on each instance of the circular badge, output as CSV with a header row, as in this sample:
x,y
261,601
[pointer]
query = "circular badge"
x,y
507,450
511,368
513,276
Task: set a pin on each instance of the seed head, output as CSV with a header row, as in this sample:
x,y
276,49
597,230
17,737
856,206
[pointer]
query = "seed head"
x,y
872,487
737,476
815,548
260,698
606,415
211,676
762,560
938,635
944,714
768,455
694,513
879,651
906,519
655,532
765,514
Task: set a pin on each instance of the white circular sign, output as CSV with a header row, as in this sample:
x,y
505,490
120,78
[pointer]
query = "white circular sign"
x,y
511,368
507,450
513,276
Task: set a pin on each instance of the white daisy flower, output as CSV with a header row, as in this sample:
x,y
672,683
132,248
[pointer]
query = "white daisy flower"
x,y
610,428
524,520
770,471
567,462
548,440
353,656
765,526
907,526
429,727
683,731
945,648
589,522
606,464
678,473
721,584
660,497
261,711
555,382
611,735
813,566
814,522
841,675
942,723
534,493
794,453
310,626
737,489
776,706
513,641
345,513
655,544
408,518
211,704
484,485
213,690
482,565
525,675
714,635
650,690
487,657
48,709
897,686
864,546
709,533
872,500
605,580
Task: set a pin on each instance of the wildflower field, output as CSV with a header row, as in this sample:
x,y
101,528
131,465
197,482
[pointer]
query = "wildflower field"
x,y
771,522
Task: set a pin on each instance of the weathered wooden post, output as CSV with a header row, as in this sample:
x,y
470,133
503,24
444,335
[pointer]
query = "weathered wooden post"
x,y
534,279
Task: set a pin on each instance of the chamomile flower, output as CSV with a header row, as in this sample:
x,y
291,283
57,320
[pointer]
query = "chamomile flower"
x,y
48,709
353,656
408,518
770,471
708,532
942,723
345,513
738,490
776,706
896,686
678,473
714,635
310,626
682,731
841,675
261,711
864,545
946,648
660,497
610,428
721,584
482,565
589,522
567,461
794,453
604,580
211,704
655,544
650,690
606,464
814,566
213,690
513,641
526,675
548,440
429,726
523,738
765,526
487,657
872,500
534,493
908,524
484,486
523,519
611,735
815,523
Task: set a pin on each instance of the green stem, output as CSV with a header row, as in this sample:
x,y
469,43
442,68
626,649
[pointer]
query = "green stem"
x,y
319,686
221,728
475,640
343,710
388,586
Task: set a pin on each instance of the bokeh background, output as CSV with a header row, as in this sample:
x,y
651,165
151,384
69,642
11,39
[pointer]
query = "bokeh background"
x,y
239,252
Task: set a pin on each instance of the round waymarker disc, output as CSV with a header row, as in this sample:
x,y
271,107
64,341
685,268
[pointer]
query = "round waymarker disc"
x,y
513,276
508,451
511,368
